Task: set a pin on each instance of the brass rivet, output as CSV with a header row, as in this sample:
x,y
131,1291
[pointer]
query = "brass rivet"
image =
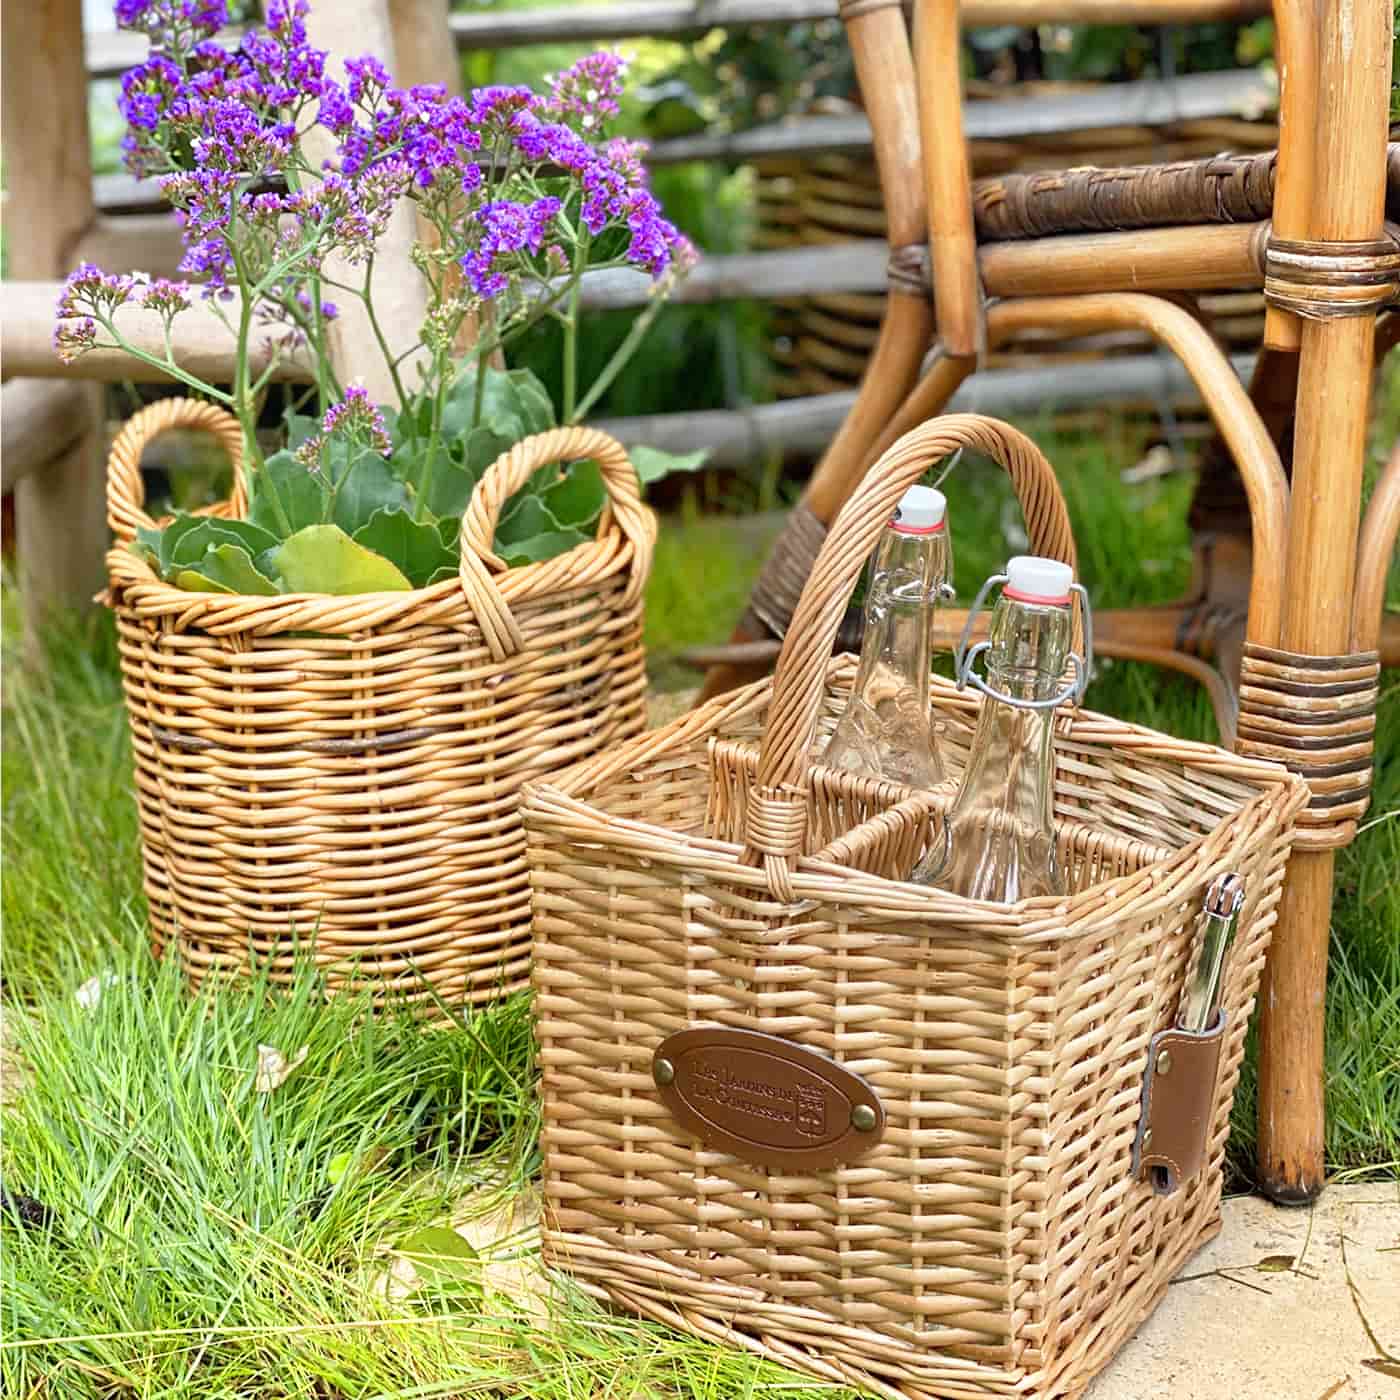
x,y
1164,1062
664,1072
1147,1140
863,1118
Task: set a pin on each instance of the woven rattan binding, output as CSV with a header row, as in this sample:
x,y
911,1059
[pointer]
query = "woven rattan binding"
x,y
1224,189
1321,281
1316,715
344,770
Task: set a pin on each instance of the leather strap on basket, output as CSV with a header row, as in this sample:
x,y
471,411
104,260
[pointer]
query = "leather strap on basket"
x,y
777,809
126,491
1178,1098
504,477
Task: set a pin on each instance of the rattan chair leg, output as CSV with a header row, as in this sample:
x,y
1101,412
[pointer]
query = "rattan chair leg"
x,y
1334,391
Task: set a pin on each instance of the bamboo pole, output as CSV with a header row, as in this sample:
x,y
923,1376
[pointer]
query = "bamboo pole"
x,y
947,177
60,515
1197,259
1334,388
345,30
1295,48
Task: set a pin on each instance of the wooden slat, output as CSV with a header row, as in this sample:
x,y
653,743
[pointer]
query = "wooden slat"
x,y
1212,256
803,427
202,344
111,54
677,18
41,421
1196,97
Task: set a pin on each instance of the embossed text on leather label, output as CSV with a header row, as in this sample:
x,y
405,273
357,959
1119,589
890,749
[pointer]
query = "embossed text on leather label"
x,y
766,1099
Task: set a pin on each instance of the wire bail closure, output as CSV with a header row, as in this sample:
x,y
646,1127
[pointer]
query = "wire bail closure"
x,y
965,657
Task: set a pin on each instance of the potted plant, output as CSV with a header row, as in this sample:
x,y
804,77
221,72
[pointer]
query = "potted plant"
x,y
338,679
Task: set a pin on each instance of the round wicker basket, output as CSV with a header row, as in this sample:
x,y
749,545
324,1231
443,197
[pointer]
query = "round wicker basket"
x,y
341,773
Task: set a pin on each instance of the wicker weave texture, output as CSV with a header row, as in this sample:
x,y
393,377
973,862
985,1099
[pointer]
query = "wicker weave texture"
x,y
995,1243
346,769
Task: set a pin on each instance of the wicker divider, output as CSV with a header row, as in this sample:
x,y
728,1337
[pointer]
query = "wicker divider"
x,y
346,769
996,1242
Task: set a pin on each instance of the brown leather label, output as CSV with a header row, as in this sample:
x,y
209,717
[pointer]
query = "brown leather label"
x,y
767,1100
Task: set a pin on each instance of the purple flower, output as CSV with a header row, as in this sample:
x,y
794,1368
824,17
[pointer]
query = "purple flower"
x,y
167,20
166,297
74,338
507,228
587,92
355,420
366,74
88,288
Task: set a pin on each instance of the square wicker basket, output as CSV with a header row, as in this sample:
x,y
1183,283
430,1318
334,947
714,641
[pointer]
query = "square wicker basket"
x,y
998,1240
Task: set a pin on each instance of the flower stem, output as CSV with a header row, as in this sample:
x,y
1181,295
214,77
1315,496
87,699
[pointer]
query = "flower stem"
x,y
618,362
571,331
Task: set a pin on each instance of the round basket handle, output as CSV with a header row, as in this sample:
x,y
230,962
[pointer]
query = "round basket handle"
x,y
777,806
505,476
126,492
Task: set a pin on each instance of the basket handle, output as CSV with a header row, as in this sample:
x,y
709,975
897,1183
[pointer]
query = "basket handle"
x,y
777,806
505,476
126,492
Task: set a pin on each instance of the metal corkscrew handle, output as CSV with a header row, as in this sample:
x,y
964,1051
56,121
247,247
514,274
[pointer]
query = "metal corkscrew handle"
x,y
1201,1000
965,657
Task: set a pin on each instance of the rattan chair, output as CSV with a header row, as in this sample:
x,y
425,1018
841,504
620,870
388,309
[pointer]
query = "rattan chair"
x,y
1289,581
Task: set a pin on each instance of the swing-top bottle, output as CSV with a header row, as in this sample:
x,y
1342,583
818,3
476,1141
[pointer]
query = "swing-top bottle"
x,y
998,841
886,730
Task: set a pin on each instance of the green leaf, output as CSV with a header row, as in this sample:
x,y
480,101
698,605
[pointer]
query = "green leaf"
x,y
578,499
230,568
524,517
156,545
365,487
514,404
324,559
441,575
538,547
301,426
345,1164
449,490
193,545
651,463
532,402
439,1253
192,581
416,548
301,495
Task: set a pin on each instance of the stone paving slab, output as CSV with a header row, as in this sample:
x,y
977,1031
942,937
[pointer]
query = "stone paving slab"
x,y
1284,1304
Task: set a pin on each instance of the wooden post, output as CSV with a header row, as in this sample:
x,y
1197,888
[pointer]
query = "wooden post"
x,y
1334,389
947,177
60,511
348,29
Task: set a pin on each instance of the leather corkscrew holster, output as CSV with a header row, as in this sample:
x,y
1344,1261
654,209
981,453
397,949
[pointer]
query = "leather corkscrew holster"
x,y
1178,1092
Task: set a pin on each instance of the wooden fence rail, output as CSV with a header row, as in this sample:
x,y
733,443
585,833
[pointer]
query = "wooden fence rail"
x,y
110,55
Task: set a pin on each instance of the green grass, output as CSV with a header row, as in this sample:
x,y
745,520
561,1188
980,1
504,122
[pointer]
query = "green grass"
x,y
196,1244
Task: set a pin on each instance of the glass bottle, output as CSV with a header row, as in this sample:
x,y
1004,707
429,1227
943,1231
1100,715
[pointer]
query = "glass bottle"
x,y
999,838
886,730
